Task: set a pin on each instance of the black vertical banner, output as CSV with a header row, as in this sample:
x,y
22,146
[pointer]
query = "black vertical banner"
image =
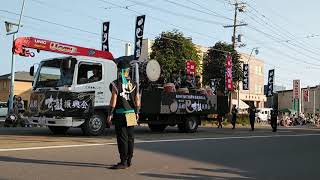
x,y
138,36
270,83
105,36
214,86
245,82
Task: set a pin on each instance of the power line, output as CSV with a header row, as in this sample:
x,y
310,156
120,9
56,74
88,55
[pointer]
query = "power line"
x,y
186,16
215,14
68,10
274,38
297,47
286,33
160,20
205,8
62,25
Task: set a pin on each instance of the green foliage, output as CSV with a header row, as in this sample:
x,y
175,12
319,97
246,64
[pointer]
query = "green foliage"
x,y
171,49
215,65
243,119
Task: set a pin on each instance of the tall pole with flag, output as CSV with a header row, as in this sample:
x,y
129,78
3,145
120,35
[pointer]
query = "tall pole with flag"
x,y
138,45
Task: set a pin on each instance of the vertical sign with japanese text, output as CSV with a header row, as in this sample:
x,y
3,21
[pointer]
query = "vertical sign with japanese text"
x,y
245,82
296,95
296,89
228,76
306,95
191,67
213,85
138,36
270,83
105,36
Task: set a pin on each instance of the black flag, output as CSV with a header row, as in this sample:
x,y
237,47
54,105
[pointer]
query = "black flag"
x,y
245,82
138,36
105,36
214,86
270,83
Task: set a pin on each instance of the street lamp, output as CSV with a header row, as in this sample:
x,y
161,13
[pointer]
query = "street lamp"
x,y
9,27
256,51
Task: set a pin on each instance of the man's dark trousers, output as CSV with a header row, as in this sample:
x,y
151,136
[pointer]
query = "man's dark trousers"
x,y
252,119
125,139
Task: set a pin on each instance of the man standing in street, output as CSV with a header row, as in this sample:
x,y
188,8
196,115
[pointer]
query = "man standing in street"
x,y
274,119
252,116
234,113
125,106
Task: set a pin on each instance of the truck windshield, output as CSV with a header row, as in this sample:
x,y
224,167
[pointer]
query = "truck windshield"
x,y
56,73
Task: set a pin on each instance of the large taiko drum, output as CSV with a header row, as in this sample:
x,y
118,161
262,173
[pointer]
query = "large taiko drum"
x,y
169,87
183,90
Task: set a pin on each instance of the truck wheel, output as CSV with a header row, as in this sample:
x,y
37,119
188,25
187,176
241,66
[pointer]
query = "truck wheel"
x,y
95,125
58,129
190,125
157,127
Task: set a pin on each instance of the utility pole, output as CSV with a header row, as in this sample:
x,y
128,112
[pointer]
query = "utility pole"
x,y
241,8
237,7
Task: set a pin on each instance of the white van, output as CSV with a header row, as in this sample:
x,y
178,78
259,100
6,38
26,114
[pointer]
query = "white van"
x,y
263,114
3,109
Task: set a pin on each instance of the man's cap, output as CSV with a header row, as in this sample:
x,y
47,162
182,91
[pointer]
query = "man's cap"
x,y
124,62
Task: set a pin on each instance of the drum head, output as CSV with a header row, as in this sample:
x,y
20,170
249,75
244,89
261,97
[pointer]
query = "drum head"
x,y
153,70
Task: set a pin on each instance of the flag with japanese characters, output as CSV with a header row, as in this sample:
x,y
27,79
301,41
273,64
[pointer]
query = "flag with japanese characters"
x,y
138,36
245,82
306,96
270,83
105,36
228,76
191,67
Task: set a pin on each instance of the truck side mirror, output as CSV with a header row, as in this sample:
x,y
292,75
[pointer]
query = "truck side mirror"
x,y
67,64
31,72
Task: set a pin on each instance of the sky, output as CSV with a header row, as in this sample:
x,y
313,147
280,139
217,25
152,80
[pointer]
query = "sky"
x,y
286,32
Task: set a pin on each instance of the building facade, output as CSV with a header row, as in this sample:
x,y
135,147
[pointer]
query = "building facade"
x,y
255,94
22,86
309,106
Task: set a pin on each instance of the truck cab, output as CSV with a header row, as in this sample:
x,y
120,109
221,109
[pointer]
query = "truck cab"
x,y
72,91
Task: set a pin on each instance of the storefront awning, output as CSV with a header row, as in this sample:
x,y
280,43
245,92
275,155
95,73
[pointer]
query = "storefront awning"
x,y
242,105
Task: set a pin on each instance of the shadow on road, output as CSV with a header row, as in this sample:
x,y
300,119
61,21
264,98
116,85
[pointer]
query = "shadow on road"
x,y
59,163
219,174
257,158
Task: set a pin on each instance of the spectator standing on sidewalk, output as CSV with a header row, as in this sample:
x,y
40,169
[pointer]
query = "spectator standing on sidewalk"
x,y
20,105
234,113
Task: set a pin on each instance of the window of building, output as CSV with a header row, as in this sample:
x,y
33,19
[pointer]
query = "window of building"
x,y
89,73
5,84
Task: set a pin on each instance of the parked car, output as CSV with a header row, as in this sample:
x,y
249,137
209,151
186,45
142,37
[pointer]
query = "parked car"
x,y
3,109
263,114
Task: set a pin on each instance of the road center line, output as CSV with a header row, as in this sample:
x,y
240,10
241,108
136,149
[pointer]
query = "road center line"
x,y
154,141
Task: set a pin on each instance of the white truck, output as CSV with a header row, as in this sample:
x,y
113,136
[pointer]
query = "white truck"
x,y
54,94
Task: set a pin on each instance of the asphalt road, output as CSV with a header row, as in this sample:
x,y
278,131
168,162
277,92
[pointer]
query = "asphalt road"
x,y
34,153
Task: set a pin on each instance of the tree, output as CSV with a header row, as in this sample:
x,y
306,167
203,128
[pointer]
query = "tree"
x,y
171,49
215,65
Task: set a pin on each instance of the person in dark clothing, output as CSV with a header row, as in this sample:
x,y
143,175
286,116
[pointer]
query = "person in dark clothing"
x,y
220,119
234,113
125,105
252,116
274,119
